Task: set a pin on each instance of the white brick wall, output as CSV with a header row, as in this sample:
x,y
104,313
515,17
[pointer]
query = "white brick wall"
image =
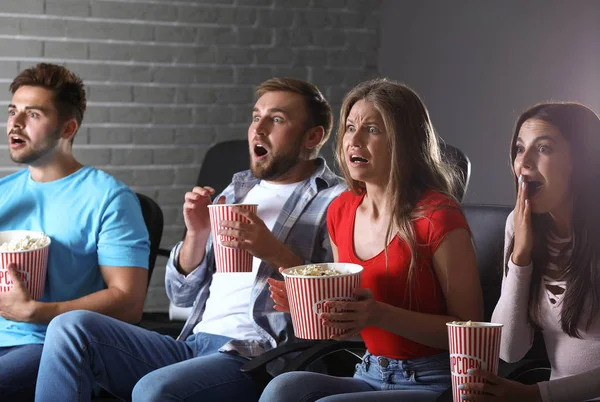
x,y
168,78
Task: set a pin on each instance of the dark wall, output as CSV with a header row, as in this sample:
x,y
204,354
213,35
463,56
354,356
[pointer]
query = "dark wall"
x,y
478,64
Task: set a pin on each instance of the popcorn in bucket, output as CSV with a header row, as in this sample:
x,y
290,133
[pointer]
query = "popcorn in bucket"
x,y
29,251
309,287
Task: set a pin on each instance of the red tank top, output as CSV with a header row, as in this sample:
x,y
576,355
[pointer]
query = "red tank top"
x,y
425,294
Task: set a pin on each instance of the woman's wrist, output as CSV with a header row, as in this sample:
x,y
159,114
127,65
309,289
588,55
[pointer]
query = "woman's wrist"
x,y
378,313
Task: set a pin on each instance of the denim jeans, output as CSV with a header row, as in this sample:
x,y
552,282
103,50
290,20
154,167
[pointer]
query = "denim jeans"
x,y
377,378
18,371
133,363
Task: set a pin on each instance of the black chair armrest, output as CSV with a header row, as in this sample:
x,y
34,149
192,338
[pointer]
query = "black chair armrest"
x,y
308,356
526,371
161,323
164,252
310,351
446,396
259,363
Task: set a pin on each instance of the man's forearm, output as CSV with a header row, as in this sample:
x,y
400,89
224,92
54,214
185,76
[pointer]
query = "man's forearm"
x,y
191,252
112,302
284,257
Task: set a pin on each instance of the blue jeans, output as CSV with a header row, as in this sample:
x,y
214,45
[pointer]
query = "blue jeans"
x,y
133,363
377,378
18,371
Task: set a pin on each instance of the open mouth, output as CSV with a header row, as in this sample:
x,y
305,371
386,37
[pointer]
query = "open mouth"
x,y
358,159
533,187
260,150
16,140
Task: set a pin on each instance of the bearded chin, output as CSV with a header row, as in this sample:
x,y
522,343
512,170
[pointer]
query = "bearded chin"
x,y
275,168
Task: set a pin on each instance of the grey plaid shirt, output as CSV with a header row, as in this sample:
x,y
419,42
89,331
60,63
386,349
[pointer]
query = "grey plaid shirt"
x,y
301,226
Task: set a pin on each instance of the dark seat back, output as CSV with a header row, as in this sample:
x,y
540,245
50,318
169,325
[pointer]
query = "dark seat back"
x,y
221,162
153,217
487,224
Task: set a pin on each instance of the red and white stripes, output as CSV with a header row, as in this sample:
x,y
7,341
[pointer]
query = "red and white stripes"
x,y
229,259
31,265
472,347
307,296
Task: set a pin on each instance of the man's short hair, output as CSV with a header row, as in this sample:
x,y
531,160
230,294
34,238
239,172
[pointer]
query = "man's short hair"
x,y
69,93
317,106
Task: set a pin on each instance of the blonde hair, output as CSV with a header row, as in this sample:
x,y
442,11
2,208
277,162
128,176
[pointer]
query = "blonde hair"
x,y
416,162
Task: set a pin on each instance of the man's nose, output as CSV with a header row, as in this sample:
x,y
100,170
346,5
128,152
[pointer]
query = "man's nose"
x,y
17,120
260,127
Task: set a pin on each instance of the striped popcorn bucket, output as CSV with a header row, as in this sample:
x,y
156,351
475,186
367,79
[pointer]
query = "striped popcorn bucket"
x,y
307,296
472,346
229,259
31,264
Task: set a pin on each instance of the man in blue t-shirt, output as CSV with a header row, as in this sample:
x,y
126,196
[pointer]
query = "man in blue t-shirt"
x,y
99,249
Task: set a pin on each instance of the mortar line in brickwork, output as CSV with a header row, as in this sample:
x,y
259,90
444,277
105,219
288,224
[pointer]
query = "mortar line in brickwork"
x,y
187,4
155,126
113,20
136,63
64,39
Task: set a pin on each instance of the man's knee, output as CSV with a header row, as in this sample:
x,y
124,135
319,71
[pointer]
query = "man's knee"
x,y
70,323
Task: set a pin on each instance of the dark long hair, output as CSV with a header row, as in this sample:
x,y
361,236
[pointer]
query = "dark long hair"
x,y
580,126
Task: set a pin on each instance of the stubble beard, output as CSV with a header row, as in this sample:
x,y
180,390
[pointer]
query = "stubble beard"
x,y
30,155
275,166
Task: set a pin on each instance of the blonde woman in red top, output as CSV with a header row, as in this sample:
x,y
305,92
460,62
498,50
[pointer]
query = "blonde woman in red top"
x,y
401,223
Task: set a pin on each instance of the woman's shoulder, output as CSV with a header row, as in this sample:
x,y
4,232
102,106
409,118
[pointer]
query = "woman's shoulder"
x,y
432,199
340,214
345,200
341,208
437,213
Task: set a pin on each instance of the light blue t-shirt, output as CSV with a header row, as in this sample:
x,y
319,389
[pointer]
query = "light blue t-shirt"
x,y
91,218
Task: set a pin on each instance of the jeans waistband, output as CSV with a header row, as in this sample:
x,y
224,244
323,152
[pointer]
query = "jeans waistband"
x,y
388,363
